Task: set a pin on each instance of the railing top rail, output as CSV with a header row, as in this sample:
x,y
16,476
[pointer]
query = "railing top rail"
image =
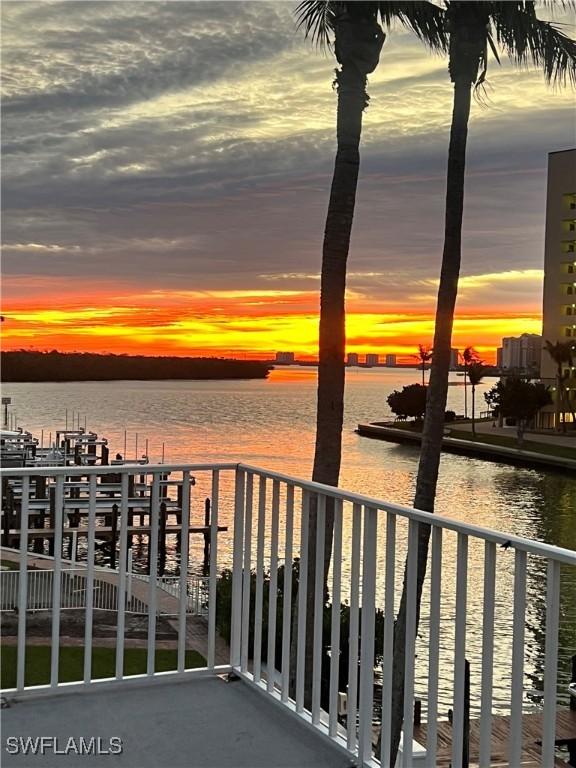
x,y
550,551
541,549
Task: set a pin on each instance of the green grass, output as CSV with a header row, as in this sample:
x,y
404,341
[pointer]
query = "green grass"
x,y
37,667
548,449
413,426
562,451
9,565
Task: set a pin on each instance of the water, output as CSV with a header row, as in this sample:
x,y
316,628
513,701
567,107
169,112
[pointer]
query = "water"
x,y
271,423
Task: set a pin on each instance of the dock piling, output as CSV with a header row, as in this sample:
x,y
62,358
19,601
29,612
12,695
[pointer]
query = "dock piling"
x,y
162,537
573,680
113,536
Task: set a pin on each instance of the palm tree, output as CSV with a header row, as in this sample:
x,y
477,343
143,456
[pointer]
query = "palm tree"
x,y
353,30
469,356
424,355
475,374
474,28
561,354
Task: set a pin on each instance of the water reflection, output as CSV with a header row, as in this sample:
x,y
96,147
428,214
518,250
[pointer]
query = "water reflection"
x,y
271,423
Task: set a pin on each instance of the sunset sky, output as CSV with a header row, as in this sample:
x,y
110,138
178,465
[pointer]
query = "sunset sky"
x,y
166,175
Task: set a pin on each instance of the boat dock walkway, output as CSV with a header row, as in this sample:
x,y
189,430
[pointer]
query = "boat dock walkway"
x,y
532,728
168,604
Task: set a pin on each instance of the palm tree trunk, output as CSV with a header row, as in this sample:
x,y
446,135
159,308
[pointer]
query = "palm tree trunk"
x,y
563,403
558,398
352,100
474,410
438,383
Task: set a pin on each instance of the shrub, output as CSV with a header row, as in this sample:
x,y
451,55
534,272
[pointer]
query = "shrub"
x,y
410,401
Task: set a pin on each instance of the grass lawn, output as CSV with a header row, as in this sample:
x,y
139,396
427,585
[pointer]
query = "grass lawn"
x,y
413,426
562,451
72,663
9,565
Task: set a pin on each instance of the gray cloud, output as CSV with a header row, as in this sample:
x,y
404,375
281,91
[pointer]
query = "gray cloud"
x,y
166,142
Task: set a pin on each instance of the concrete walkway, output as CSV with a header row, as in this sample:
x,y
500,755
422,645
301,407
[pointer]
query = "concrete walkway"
x,y
475,448
567,440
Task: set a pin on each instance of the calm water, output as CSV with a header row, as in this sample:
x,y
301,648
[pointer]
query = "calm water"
x,y
271,423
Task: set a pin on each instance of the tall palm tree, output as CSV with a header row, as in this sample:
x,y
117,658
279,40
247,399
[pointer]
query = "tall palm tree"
x,y
424,355
561,354
476,372
469,355
353,31
474,28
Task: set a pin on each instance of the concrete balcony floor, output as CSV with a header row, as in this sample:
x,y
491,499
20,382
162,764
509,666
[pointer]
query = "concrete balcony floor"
x,y
203,722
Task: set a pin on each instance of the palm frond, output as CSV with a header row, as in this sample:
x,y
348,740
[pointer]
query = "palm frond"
x,y
317,18
425,19
476,372
528,40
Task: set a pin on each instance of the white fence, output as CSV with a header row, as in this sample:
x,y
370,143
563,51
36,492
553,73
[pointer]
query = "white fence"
x,y
196,590
73,586
488,597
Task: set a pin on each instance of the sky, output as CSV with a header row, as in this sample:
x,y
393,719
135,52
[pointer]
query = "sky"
x,y
166,175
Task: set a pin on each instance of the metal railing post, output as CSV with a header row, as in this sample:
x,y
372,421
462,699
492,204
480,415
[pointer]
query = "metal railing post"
x,y
235,632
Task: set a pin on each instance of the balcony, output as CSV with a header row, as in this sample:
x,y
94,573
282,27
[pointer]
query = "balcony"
x,y
259,698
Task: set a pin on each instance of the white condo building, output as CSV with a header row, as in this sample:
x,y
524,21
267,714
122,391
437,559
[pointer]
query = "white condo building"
x,y
559,307
522,353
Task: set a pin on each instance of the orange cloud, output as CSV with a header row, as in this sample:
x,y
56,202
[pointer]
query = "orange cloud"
x,y
253,323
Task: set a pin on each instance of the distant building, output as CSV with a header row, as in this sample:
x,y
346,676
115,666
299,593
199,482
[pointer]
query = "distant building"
x,y
285,358
522,353
372,360
391,361
499,357
454,359
352,358
559,309
559,306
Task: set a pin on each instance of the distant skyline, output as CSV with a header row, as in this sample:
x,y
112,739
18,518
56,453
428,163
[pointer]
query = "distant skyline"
x,y
166,177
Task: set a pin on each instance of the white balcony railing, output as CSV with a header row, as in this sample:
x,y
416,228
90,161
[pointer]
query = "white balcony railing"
x,y
485,596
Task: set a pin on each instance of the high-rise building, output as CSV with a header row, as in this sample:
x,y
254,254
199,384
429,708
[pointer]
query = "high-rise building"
x,y
522,353
499,357
372,360
391,361
285,358
352,358
559,308
454,359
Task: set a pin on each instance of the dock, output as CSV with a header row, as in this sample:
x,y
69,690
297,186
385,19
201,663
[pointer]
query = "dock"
x,y
532,729
79,448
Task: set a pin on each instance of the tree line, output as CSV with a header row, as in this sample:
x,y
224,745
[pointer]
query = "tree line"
x,y
87,366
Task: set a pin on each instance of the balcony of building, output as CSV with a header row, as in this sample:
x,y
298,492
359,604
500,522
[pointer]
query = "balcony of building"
x,y
288,675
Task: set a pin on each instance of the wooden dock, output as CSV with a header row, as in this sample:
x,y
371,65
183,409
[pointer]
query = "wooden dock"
x,y
107,531
532,727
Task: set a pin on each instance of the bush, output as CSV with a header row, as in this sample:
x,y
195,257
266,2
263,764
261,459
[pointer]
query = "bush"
x,y
450,416
223,624
410,401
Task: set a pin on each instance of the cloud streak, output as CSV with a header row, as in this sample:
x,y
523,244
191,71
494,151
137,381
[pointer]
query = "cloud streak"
x,y
189,146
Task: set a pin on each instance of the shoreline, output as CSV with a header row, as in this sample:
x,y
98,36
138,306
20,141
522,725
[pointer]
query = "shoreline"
x,y
477,449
